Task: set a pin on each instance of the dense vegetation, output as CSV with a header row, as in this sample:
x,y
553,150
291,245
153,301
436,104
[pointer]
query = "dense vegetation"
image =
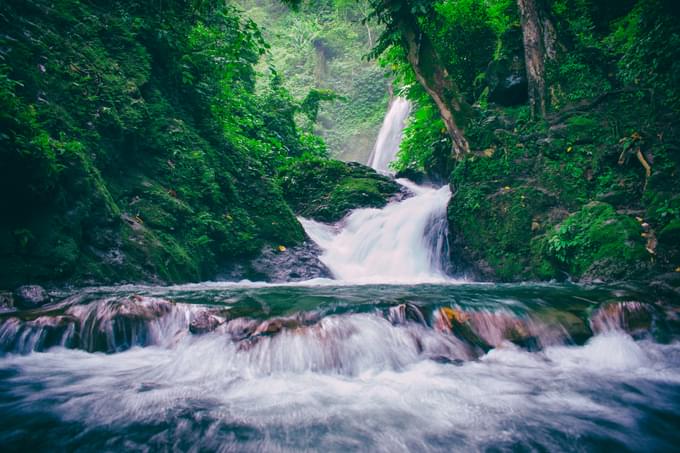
x,y
134,145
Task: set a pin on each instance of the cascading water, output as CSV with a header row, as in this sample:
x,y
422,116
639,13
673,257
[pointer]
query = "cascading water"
x,y
338,368
404,242
389,137
400,243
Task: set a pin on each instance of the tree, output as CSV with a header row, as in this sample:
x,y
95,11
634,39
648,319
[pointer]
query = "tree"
x,y
403,28
539,47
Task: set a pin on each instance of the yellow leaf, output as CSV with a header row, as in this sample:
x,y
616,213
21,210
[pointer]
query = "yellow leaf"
x,y
569,149
281,248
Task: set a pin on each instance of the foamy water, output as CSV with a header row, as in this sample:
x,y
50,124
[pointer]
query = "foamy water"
x,y
340,368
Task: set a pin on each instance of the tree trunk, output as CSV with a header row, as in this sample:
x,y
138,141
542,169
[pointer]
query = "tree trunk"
x,y
539,47
433,76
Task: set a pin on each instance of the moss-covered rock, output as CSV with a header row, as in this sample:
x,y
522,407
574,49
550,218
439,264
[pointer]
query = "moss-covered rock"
x,y
597,242
326,190
589,210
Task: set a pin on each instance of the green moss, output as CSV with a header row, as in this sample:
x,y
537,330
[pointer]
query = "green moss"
x,y
670,234
326,190
598,242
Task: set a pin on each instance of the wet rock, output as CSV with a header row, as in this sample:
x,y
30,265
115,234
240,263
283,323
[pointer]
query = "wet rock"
x,y
402,313
576,328
630,316
117,324
293,264
39,334
241,328
6,300
206,322
30,296
416,176
457,322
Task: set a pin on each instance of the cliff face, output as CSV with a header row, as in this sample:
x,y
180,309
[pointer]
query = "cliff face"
x,y
129,150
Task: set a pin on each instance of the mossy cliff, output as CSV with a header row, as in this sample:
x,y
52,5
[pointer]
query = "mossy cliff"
x,y
132,142
326,190
571,196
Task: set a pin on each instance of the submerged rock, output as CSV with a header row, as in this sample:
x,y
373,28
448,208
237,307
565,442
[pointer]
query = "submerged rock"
x,y
30,296
630,316
280,265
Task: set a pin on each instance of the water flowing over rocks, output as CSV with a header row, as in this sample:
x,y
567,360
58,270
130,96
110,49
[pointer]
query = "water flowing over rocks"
x,y
267,359
114,323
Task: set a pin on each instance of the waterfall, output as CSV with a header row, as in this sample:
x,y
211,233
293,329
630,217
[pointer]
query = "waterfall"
x,y
404,242
400,243
389,137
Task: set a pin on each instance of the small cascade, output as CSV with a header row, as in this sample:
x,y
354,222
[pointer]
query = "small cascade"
x,y
326,340
404,242
389,137
108,325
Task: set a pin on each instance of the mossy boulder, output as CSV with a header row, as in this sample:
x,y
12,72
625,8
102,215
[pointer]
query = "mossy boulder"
x,y
596,242
493,230
326,190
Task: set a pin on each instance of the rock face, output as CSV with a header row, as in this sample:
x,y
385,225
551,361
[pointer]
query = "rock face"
x,y
30,296
326,190
279,265
507,86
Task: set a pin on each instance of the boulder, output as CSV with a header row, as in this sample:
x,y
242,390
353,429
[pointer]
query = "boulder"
x,y
280,265
30,296
327,190
206,322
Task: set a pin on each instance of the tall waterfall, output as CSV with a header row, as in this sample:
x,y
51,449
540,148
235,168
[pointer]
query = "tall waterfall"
x,y
404,242
389,137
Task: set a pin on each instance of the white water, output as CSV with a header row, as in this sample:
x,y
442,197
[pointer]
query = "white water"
x,y
215,397
400,243
389,137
